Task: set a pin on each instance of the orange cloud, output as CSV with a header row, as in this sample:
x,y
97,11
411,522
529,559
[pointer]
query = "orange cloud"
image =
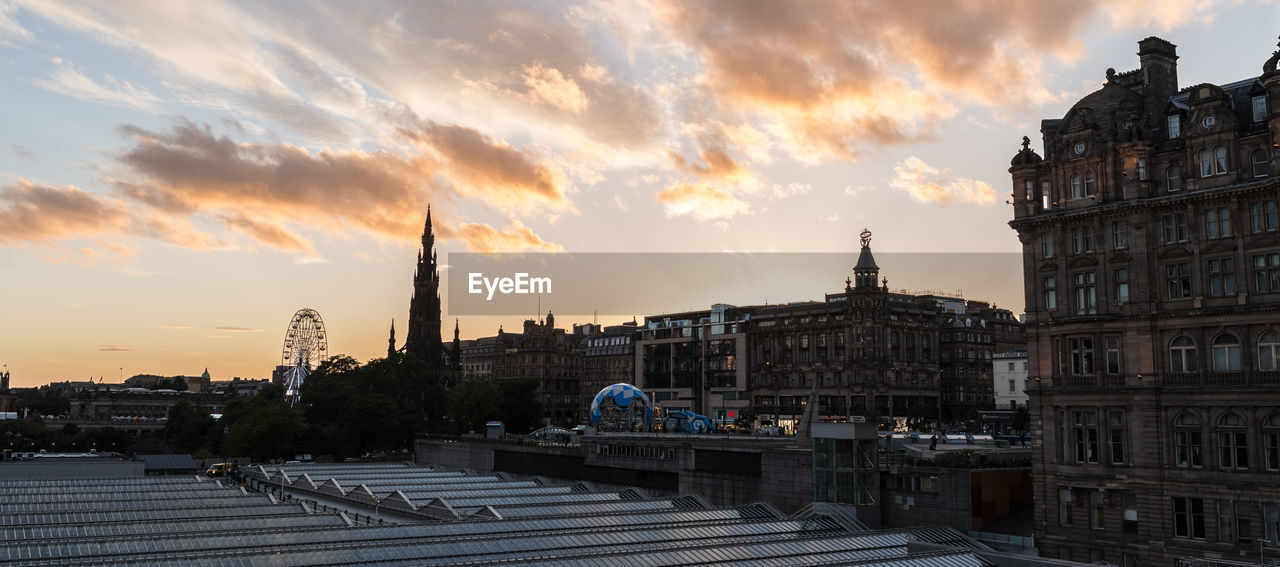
x,y
928,184
188,170
515,238
44,214
720,166
488,167
268,232
702,201
837,78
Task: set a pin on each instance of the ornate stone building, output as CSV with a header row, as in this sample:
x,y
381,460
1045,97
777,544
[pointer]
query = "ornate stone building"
x,y
552,358
864,351
1152,268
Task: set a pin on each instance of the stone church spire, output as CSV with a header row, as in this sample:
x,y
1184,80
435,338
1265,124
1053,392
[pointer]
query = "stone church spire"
x,y
391,340
423,339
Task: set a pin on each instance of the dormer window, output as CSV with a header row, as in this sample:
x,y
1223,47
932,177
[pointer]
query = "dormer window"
x,y
1208,121
1175,126
1259,108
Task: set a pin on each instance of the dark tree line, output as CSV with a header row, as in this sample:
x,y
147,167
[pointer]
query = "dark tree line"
x,y
350,409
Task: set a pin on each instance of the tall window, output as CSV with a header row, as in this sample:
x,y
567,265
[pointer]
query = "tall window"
x,y
1081,239
1051,293
1226,353
1271,521
1173,178
1261,167
1081,355
1262,216
1064,507
1113,354
1077,188
1259,108
1269,351
1177,280
1175,126
1188,517
1097,515
1220,159
1233,442
1115,436
1217,223
1086,293
1182,355
895,353
1046,245
1186,441
1119,240
1175,228
1142,169
1206,162
1234,525
1090,187
1266,272
1122,285
1130,501
1222,277
1085,433
1271,441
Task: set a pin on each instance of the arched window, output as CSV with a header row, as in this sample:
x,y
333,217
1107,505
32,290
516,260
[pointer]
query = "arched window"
x,y
1090,187
1220,159
1226,353
1206,163
1269,351
1271,441
1173,178
1260,166
1233,442
1076,192
1182,355
1186,441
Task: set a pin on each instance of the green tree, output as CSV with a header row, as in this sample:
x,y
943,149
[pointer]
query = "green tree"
x,y
263,426
473,402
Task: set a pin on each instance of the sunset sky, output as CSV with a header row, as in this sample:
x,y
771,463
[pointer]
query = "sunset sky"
x,y
178,178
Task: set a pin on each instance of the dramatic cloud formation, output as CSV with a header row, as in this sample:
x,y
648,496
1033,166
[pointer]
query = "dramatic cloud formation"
x,y
188,170
489,168
840,77
702,201
928,184
516,237
42,214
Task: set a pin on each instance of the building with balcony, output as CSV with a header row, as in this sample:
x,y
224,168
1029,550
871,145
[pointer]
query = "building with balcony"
x,y
1151,255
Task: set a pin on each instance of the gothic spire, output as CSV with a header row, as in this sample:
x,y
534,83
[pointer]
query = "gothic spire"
x,y
423,338
391,341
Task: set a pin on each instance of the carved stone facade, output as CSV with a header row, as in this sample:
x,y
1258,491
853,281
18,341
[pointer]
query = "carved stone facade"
x,y
1152,266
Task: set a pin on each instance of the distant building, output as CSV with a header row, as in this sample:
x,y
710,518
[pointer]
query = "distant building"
x,y
1151,254
1009,370
863,351
553,359
608,357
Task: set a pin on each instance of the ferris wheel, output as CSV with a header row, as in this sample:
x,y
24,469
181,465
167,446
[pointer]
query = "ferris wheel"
x,y
305,346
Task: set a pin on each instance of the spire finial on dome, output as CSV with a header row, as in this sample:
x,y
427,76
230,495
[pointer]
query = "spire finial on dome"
x,y
866,237
1026,143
